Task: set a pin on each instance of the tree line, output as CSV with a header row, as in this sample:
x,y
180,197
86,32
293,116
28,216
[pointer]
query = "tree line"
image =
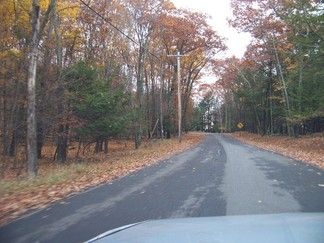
x,y
89,71
278,85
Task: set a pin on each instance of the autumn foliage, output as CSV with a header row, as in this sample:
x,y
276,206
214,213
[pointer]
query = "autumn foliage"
x,y
277,87
102,73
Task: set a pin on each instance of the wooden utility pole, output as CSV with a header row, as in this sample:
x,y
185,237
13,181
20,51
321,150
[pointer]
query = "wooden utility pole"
x,y
161,96
178,56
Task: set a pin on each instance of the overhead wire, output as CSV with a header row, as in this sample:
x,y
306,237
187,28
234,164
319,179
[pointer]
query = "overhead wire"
x,y
114,26
106,20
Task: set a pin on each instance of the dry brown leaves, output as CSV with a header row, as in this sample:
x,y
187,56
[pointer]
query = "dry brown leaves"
x,y
309,149
56,182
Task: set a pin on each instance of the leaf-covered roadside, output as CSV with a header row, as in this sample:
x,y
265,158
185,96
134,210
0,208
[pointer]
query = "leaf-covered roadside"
x,y
309,149
18,197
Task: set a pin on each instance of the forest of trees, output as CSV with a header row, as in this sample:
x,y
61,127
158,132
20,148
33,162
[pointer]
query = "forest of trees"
x,y
278,86
92,70
96,70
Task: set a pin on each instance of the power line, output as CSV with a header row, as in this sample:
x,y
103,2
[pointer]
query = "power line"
x,y
111,24
114,26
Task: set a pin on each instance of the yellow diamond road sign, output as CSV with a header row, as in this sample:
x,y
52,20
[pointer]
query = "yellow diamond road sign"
x,y
240,125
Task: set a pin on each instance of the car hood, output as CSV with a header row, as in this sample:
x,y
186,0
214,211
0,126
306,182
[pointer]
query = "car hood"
x,y
295,227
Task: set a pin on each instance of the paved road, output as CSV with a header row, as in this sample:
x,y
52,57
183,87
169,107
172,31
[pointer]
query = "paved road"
x,y
219,177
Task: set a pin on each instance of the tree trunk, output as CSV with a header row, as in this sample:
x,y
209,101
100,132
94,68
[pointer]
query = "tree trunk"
x,y
106,148
31,96
40,138
99,145
138,140
139,94
43,95
300,84
270,103
62,144
13,144
285,91
228,112
4,124
62,139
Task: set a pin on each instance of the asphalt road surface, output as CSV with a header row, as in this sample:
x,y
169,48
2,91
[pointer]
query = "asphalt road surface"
x,y
221,176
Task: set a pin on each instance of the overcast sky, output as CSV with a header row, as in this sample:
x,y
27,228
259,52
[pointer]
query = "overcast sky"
x,y
219,10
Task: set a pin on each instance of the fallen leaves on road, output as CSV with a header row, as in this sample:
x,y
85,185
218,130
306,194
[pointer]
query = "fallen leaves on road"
x,y
56,182
309,149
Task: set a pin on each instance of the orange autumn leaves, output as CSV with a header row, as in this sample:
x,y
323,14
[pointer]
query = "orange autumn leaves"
x,y
305,148
59,181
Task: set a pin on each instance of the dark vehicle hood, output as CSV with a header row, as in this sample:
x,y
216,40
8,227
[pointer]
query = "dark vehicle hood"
x,y
294,227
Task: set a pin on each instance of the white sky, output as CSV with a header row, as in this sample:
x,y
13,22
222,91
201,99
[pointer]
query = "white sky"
x,y
219,10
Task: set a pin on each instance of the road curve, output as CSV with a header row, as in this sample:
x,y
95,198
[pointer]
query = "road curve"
x,y
220,176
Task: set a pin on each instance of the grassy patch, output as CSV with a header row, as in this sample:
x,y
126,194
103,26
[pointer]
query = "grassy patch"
x,y
10,187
